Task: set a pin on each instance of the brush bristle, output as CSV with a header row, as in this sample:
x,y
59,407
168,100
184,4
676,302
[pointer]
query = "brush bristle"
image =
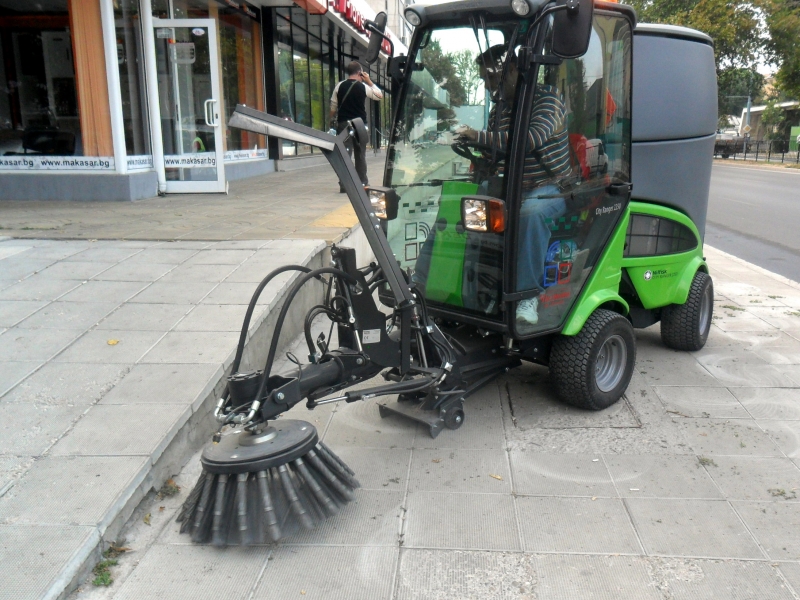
x,y
230,509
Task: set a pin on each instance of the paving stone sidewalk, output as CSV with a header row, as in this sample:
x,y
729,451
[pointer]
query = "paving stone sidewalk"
x,y
686,489
111,355
114,340
295,204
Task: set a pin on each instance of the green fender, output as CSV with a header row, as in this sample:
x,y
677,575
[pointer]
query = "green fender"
x,y
664,279
588,305
603,284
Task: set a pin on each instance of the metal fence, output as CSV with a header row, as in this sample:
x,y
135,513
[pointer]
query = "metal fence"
x,y
765,150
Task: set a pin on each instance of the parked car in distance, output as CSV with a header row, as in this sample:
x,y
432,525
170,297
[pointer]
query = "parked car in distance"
x,y
729,143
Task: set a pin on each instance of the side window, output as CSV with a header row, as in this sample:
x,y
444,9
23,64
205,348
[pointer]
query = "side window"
x,y
567,215
655,236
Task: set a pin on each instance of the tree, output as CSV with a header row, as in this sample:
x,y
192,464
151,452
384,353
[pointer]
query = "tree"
x,y
734,25
441,68
468,73
735,84
783,45
743,32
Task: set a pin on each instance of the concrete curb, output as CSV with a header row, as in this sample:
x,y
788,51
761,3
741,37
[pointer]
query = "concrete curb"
x,y
195,426
756,268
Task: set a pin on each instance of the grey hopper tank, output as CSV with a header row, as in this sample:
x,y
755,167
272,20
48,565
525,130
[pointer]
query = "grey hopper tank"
x,y
674,118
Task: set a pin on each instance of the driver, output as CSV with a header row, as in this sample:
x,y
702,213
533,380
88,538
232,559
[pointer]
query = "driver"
x,y
547,161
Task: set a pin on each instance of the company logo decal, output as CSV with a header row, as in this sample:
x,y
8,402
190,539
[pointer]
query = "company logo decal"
x,y
648,275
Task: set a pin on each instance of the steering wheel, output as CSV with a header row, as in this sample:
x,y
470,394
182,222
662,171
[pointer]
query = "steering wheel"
x,y
463,149
481,166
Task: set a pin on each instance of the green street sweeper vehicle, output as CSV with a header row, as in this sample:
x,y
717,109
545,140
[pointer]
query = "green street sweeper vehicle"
x,y
545,194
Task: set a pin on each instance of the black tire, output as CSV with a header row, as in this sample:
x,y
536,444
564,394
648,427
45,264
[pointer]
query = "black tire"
x,y
586,377
686,326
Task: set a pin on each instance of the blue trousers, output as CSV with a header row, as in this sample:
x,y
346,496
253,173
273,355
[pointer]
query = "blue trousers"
x,y
534,235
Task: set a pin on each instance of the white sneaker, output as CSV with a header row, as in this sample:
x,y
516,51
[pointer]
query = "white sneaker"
x,y
526,311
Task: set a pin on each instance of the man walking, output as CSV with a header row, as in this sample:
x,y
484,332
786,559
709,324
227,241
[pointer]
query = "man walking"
x,y
349,102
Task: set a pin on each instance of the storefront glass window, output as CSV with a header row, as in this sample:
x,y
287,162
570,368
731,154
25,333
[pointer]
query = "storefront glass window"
x,y
317,89
193,9
302,93
38,94
242,77
130,59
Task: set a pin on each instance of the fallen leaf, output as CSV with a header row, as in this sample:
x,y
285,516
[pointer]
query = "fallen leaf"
x,y
160,509
496,477
436,460
634,489
302,592
112,342
594,497
146,519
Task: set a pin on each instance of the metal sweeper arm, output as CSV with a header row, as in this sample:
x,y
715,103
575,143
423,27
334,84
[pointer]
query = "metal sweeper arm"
x,y
334,150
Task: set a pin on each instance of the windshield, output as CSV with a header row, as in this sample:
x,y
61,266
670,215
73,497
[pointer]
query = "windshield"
x,y
453,89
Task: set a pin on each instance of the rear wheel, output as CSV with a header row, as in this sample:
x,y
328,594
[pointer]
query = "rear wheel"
x,y
686,326
592,369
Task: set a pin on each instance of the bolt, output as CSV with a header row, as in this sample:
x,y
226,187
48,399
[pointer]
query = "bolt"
x,y
359,361
458,418
279,396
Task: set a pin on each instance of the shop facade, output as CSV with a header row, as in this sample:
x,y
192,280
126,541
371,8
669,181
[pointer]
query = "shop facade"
x,y
125,99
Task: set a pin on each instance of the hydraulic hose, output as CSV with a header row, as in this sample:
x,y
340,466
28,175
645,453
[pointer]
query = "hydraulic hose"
x,y
251,307
319,309
273,347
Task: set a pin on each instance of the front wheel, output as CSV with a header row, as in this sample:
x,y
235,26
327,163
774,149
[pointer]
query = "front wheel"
x,y
686,326
593,369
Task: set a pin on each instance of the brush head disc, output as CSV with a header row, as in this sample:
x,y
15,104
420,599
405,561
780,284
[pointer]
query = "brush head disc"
x,y
281,442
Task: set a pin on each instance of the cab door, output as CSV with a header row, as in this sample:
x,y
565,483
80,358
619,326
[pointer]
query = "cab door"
x,y
573,211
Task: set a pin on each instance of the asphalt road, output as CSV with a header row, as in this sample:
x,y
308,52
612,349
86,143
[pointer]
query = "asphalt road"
x,y
754,213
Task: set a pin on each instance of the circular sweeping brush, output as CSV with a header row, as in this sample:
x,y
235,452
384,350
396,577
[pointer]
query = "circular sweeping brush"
x,y
255,484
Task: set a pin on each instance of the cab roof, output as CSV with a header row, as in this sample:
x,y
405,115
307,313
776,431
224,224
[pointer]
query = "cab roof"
x,y
435,12
673,31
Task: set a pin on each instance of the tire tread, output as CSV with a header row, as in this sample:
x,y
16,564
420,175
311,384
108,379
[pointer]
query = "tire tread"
x,y
570,358
679,321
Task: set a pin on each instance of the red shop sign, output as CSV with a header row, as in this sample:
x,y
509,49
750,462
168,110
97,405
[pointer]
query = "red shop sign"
x,y
353,16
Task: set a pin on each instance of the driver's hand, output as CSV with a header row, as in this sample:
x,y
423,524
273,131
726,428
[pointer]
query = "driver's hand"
x,y
466,133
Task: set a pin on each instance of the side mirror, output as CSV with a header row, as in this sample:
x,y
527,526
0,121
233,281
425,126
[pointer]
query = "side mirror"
x,y
483,214
384,202
572,28
377,27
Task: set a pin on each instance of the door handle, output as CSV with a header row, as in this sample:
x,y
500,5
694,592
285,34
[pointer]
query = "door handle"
x,y
209,112
620,189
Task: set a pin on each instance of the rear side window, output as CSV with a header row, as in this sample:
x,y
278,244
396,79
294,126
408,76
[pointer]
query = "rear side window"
x,y
656,236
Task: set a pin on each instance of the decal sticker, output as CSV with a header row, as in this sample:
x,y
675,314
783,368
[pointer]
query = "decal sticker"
x,y
659,274
371,336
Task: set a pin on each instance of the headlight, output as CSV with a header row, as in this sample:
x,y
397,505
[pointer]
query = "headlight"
x,y
520,7
483,214
475,213
383,202
412,17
